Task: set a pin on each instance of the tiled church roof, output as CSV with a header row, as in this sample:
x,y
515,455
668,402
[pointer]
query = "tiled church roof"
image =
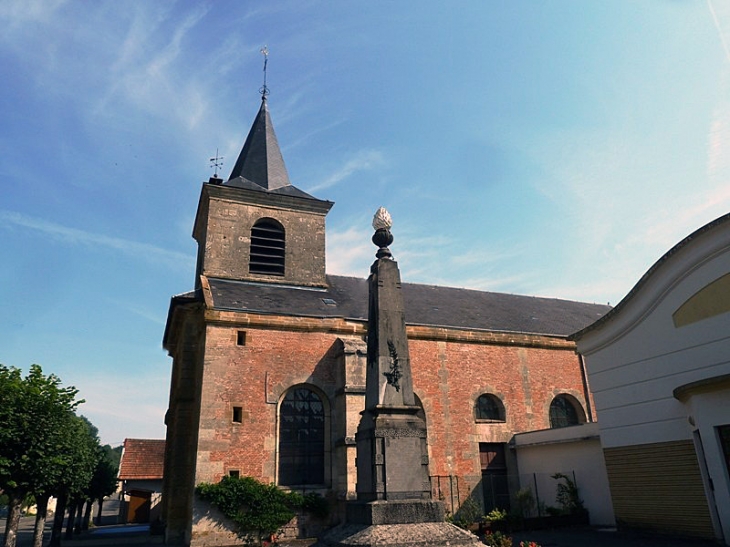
x,y
142,459
428,305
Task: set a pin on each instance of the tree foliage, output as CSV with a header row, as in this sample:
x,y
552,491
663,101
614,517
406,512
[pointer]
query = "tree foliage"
x,y
104,480
45,448
34,418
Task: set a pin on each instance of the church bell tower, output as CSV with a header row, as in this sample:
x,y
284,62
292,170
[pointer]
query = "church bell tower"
x,y
256,226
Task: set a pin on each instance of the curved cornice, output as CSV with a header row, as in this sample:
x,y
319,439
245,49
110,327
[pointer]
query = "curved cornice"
x,y
654,285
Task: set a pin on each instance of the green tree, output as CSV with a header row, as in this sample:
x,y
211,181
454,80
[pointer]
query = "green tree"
x,y
45,448
78,447
83,445
36,410
104,481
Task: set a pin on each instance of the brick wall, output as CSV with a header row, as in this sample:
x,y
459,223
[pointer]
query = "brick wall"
x,y
448,378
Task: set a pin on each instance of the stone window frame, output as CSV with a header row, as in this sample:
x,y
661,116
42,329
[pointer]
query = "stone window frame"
x,y
236,413
498,406
270,251
563,404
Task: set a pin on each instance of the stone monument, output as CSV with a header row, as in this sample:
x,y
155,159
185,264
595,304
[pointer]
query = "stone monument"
x,y
394,505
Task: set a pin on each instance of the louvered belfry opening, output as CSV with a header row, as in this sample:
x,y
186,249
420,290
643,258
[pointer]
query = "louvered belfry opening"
x,y
267,248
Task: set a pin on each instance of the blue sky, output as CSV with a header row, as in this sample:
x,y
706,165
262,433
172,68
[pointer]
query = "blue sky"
x,y
545,148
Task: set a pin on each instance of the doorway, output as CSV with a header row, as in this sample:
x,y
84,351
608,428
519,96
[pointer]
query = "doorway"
x,y
140,503
495,486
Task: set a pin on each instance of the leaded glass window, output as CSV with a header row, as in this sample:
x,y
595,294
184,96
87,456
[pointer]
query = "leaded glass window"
x,y
489,407
564,411
301,438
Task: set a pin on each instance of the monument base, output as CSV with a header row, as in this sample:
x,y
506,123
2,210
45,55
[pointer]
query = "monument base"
x,y
396,523
423,534
395,512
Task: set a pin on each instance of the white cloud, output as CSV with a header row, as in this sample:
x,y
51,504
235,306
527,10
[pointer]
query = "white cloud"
x,y
349,252
123,406
13,219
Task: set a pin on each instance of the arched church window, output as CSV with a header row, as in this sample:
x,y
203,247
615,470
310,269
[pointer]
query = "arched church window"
x,y
267,248
489,407
301,438
565,410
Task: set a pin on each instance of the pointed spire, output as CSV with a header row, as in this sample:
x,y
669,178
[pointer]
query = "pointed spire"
x,y
260,160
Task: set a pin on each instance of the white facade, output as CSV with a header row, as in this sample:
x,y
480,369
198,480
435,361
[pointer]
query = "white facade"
x,y
574,451
658,363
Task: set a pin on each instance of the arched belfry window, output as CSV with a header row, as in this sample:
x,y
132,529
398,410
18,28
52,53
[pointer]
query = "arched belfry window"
x,y
489,408
267,248
565,410
301,438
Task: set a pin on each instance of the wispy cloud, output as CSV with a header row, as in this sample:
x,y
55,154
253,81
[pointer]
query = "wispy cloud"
x,y
11,219
19,12
137,309
723,28
157,83
364,160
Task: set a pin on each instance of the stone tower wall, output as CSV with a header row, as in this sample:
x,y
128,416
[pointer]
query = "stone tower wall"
x,y
224,238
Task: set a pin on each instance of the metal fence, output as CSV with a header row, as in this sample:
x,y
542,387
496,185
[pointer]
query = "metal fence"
x,y
527,494
446,488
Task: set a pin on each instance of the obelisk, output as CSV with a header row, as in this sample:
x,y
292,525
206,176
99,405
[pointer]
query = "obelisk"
x,y
394,505
392,454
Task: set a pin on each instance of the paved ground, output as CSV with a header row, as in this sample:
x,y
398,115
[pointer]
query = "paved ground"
x,y
589,537
112,535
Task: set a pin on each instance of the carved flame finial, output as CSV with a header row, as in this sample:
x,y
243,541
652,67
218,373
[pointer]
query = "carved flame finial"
x,y
382,237
382,219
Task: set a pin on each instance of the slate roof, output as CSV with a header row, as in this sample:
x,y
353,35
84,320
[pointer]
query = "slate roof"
x,y
260,160
428,305
142,459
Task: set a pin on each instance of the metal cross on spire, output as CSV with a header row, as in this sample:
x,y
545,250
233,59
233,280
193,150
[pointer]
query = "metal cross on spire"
x,y
265,90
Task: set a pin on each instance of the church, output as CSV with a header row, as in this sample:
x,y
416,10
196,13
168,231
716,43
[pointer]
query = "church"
x,y
269,351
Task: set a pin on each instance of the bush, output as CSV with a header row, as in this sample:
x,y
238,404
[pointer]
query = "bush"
x,y
525,502
497,539
567,495
258,508
469,513
495,515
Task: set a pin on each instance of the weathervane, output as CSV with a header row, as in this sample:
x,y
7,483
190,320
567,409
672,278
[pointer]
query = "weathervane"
x,y
265,90
216,163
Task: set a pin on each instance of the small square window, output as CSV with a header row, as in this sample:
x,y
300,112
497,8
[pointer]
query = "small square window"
x,y
237,414
241,338
234,473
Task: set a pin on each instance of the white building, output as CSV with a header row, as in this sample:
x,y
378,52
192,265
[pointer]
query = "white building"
x,y
659,369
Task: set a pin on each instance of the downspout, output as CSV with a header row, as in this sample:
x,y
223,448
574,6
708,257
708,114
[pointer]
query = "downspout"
x,y
586,393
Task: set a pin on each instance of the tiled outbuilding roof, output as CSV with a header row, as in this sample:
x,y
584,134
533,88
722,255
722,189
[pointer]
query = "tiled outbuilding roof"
x,y
142,459
428,305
